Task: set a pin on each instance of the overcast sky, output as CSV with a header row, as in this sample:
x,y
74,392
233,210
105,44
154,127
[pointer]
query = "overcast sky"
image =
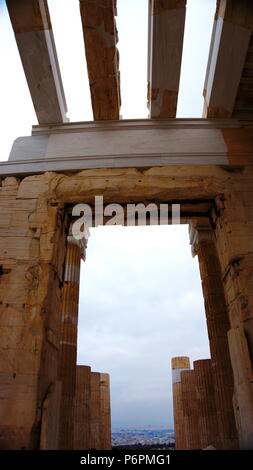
x,y
141,301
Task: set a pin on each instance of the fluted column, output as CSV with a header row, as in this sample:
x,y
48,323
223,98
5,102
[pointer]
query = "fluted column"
x,y
208,421
190,409
95,412
68,341
105,410
218,325
82,408
179,364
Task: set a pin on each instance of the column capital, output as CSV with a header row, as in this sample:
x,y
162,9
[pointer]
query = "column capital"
x,y
199,231
82,244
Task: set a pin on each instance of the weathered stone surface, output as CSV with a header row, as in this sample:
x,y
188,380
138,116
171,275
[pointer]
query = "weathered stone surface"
x,y
225,71
105,409
68,345
208,420
190,410
179,364
218,326
100,37
82,408
95,412
35,41
243,374
50,418
29,312
166,34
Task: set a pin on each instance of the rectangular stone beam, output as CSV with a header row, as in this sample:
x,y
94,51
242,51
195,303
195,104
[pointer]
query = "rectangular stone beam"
x,y
137,143
232,29
100,38
35,40
243,108
165,45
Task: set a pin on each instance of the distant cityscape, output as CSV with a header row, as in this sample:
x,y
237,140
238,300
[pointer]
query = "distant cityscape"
x,y
144,436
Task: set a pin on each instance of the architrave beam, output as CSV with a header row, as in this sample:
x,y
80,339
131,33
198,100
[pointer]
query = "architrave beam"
x,y
232,29
165,45
100,39
35,40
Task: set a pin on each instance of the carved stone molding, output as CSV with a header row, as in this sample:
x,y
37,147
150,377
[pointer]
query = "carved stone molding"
x,y
82,244
199,231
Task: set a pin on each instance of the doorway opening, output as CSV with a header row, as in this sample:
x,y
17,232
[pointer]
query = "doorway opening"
x,y
140,304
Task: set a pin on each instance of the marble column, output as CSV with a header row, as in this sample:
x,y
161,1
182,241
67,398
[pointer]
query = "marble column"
x,y
82,408
179,364
208,421
68,342
105,410
218,325
95,412
190,409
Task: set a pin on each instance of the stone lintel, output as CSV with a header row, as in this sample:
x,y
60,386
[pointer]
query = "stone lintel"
x,y
102,57
165,44
140,143
228,49
35,41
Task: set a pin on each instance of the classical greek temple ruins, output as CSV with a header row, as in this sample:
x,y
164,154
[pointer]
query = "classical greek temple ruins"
x,y
205,165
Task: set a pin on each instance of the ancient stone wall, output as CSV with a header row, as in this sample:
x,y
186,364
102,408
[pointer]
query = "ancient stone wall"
x,y
32,251
234,228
